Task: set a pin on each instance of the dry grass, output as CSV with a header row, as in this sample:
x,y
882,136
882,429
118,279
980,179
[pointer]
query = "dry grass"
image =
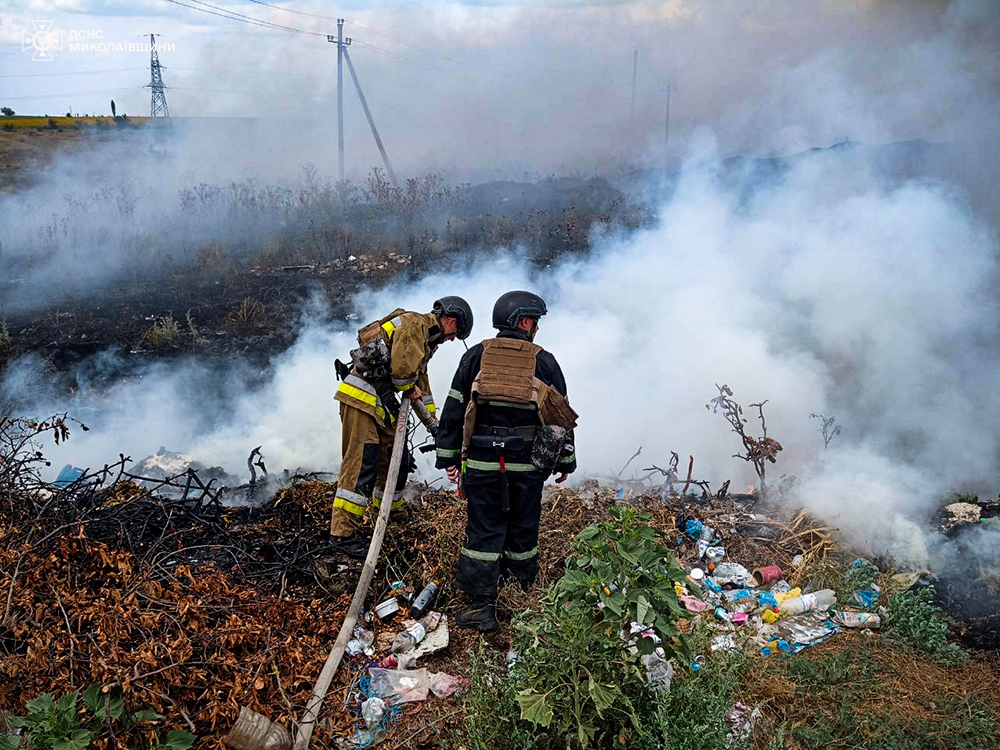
x,y
164,332
247,317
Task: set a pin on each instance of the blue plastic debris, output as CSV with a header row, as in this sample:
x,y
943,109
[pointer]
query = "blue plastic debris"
x,y
68,474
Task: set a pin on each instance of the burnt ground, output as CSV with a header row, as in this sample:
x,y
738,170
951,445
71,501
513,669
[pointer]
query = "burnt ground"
x,y
248,312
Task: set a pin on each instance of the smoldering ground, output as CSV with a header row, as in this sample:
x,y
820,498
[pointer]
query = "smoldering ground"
x,y
825,292
840,284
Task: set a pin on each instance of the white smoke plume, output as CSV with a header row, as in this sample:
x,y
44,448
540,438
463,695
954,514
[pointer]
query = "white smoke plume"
x,y
827,293
853,286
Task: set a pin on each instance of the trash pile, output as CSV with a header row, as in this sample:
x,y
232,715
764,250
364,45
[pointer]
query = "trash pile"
x,y
382,686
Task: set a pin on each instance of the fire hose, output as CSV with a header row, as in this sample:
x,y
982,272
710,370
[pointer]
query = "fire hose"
x,y
311,714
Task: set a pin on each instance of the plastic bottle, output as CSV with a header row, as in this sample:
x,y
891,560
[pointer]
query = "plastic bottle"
x,y
822,599
424,600
409,638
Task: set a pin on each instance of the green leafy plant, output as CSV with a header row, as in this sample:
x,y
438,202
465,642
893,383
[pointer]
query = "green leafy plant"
x,y
919,623
619,574
580,671
52,724
859,577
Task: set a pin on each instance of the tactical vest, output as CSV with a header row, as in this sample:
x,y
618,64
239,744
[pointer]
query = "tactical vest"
x,y
371,358
507,373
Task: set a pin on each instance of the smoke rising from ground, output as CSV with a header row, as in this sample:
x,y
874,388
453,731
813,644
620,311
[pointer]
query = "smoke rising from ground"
x,y
843,287
827,293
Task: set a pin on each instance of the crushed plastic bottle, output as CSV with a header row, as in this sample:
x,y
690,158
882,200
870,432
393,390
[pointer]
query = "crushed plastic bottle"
x,y
821,600
409,638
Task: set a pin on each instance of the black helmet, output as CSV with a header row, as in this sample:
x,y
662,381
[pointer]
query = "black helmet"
x,y
513,306
457,308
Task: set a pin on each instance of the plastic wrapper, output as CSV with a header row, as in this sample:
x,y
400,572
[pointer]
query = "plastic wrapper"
x,y
723,643
858,620
444,685
372,711
733,574
659,672
867,597
693,604
396,686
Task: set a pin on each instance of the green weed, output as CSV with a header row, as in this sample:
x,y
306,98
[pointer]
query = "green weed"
x,y
52,724
163,333
918,623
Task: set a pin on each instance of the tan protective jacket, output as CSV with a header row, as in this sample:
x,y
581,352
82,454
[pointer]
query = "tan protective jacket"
x,y
406,334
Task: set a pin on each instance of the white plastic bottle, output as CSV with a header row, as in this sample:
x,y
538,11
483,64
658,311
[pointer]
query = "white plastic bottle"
x,y
822,599
409,638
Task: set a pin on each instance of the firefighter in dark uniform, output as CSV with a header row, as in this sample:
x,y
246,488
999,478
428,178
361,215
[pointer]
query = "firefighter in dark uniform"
x,y
505,428
390,362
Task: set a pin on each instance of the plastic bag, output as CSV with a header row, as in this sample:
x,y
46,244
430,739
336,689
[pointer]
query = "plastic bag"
x,y
372,711
444,685
396,686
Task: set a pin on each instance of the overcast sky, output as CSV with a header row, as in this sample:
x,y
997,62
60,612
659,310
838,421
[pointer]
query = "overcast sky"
x,y
546,80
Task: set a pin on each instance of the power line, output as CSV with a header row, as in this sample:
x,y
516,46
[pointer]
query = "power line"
x,y
234,16
296,12
360,26
73,93
74,73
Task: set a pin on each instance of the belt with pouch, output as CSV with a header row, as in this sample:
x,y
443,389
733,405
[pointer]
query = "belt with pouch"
x,y
503,439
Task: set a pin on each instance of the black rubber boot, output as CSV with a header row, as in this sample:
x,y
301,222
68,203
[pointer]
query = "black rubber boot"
x,y
354,546
478,616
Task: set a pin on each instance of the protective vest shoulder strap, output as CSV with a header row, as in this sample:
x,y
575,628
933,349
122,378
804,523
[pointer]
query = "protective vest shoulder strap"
x,y
383,326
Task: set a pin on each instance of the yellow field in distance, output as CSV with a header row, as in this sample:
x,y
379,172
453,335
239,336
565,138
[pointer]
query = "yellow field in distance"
x,y
63,122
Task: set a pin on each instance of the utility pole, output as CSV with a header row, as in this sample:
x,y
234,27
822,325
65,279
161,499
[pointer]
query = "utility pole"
x,y
158,96
635,67
371,122
341,48
666,126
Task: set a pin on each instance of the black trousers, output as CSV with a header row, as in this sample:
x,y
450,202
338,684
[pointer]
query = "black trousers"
x,y
501,535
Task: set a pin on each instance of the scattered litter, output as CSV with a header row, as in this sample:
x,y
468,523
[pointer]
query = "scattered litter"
x,y
724,643
693,528
803,632
693,604
729,574
409,638
387,608
858,620
798,561
659,671
820,600
781,587
372,711
436,640
362,642
903,581
68,474
867,597
397,686
424,600
445,685
767,575
742,720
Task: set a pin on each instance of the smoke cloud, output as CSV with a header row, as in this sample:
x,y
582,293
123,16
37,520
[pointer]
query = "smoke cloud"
x,y
855,282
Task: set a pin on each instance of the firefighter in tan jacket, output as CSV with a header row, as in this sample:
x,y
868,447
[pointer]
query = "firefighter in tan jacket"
x,y
390,362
